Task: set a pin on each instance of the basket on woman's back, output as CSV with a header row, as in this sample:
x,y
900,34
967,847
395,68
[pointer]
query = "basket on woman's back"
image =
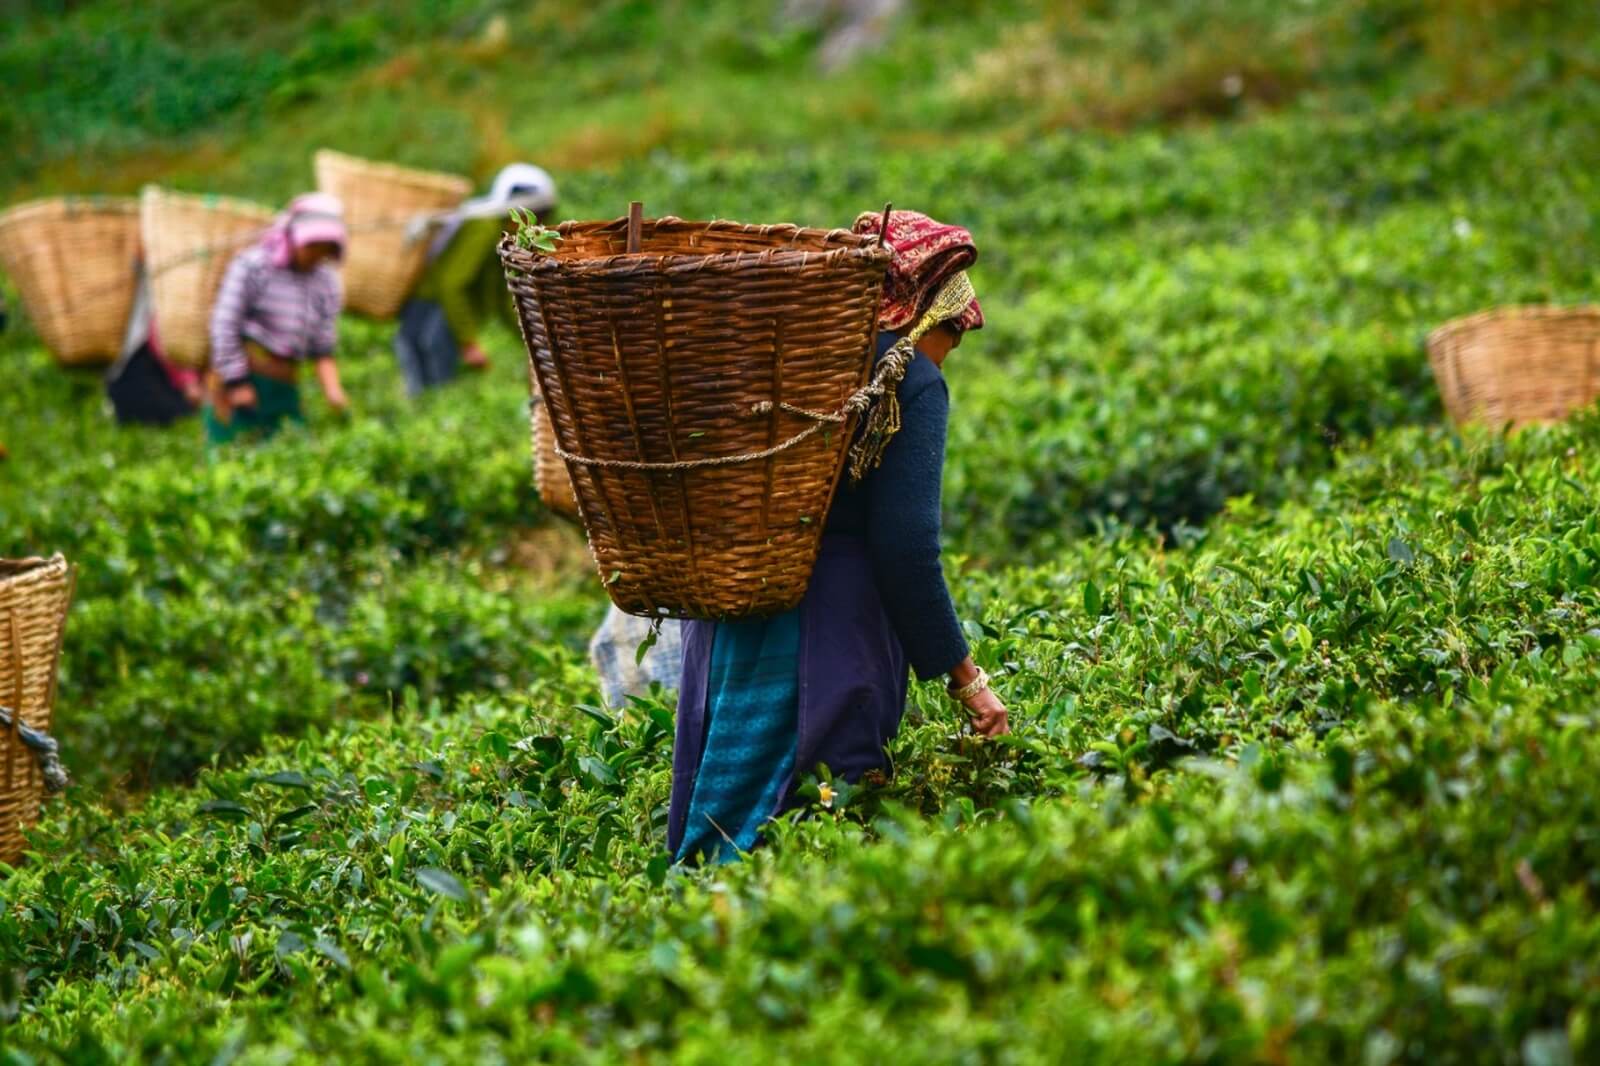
x,y
383,259
74,261
189,241
696,390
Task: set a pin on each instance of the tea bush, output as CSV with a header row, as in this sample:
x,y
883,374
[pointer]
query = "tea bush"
x,y
1312,783
491,884
284,585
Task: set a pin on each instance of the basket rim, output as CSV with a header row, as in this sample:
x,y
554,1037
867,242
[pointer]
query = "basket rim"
x,y
846,244
209,201
1463,323
17,571
69,204
442,180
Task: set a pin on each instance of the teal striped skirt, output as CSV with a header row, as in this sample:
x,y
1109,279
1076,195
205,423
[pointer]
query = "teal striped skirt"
x,y
752,710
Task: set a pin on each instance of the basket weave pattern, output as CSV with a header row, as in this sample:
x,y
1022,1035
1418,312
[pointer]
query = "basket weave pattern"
x,y
1517,365
686,352
380,266
550,475
189,242
34,594
73,263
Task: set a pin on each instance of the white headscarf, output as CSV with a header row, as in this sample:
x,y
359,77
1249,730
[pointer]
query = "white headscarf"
x,y
518,185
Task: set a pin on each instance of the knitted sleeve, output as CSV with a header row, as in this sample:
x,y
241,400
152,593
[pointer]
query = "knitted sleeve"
x,y
455,276
903,533
325,330
228,357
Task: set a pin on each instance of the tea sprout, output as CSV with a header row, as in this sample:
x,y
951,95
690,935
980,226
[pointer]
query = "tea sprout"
x,y
531,234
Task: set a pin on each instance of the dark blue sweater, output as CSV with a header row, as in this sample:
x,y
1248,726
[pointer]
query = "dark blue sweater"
x,y
896,509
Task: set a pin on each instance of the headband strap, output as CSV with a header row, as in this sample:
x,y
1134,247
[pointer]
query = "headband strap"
x,y
882,420
951,301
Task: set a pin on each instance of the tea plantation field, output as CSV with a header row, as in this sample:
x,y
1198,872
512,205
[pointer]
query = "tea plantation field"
x,y
1305,684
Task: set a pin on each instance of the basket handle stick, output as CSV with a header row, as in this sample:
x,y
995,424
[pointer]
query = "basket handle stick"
x,y
635,225
883,226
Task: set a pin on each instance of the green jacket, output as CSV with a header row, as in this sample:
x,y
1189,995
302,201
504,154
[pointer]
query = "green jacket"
x,y
467,282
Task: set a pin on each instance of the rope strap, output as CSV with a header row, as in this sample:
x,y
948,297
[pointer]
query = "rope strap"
x,y
877,400
45,750
890,371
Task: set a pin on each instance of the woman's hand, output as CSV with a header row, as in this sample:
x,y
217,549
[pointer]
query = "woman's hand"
x,y
988,714
241,397
332,390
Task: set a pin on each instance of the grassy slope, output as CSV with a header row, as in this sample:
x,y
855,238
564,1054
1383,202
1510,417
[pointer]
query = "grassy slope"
x,y
231,96
1179,318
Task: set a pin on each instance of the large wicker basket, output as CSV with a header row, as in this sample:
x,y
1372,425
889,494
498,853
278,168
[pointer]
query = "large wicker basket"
x,y
34,594
1516,365
550,475
380,199
73,260
677,381
189,242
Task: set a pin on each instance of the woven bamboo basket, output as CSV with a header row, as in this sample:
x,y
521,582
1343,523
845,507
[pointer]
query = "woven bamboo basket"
x,y
1516,365
73,260
34,594
550,475
698,357
189,242
380,199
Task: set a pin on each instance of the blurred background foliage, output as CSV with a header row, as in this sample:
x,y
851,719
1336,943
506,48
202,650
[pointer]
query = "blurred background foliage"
x,y
229,95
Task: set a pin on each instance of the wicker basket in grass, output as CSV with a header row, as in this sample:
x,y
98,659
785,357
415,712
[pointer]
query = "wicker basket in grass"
x,y
73,260
697,393
381,265
189,241
550,475
34,594
1517,365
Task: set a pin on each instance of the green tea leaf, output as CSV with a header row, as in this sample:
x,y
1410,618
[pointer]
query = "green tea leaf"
x,y
442,882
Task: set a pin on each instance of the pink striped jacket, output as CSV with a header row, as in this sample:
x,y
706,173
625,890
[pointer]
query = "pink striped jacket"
x,y
291,314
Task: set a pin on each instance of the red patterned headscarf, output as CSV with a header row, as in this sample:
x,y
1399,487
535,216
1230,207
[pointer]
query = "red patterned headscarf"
x,y
927,254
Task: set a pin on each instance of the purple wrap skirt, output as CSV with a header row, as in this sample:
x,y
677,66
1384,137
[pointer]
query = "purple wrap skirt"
x,y
852,681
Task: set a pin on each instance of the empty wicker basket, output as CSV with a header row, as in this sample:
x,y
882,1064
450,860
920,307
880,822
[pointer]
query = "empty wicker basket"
x,y
189,242
34,594
550,475
677,381
380,200
1518,364
73,260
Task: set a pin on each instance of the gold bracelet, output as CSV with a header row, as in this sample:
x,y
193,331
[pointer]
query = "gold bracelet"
x,y
970,689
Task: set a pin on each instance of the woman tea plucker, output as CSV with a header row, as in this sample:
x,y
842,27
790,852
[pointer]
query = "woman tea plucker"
x,y
763,703
277,308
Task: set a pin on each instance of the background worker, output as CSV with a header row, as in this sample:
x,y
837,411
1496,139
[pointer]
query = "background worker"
x,y
144,386
629,662
278,308
463,286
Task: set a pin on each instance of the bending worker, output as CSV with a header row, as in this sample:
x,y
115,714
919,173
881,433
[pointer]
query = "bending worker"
x,y
763,703
278,308
464,286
